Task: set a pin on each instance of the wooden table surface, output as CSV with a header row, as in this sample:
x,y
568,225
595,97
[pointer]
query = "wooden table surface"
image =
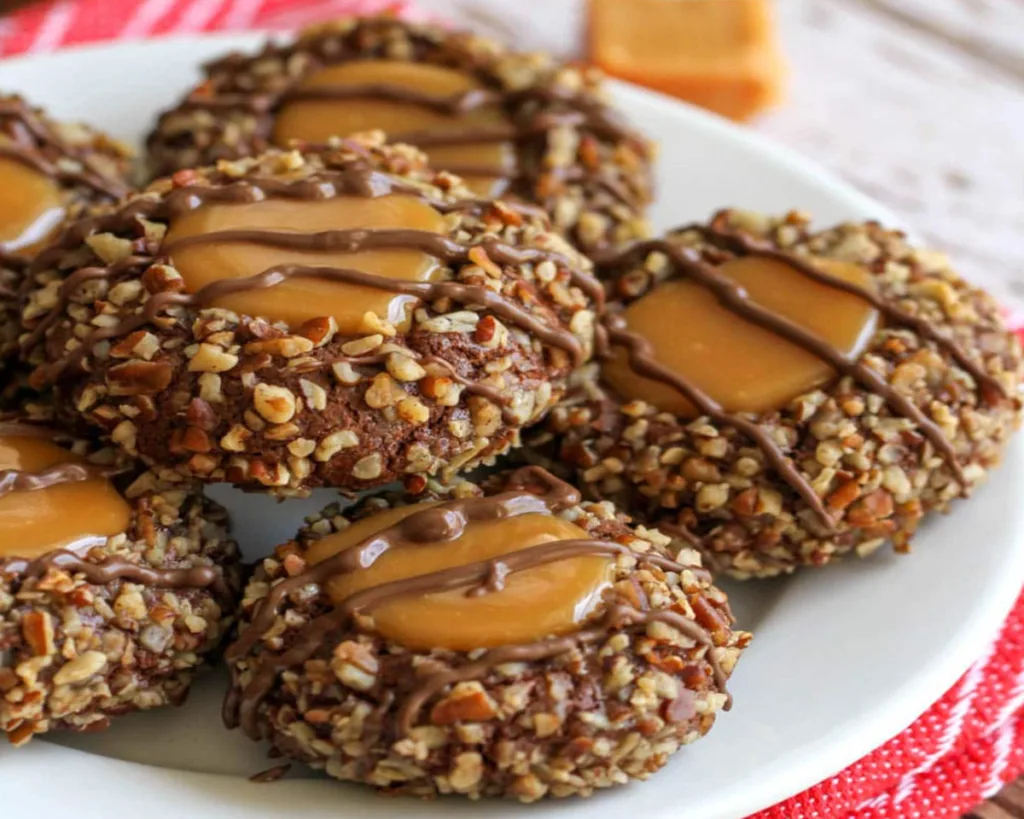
x,y
920,103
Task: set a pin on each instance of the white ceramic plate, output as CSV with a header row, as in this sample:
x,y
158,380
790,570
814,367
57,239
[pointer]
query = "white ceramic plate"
x,y
843,658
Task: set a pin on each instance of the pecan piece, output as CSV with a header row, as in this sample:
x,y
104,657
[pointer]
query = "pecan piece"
x,y
21,734
161,278
745,503
485,329
125,347
195,440
472,707
680,709
37,629
870,509
201,414
319,330
139,377
843,496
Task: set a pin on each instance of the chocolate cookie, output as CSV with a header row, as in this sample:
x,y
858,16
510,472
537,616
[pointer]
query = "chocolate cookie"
x,y
778,397
114,585
50,174
342,319
508,642
514,125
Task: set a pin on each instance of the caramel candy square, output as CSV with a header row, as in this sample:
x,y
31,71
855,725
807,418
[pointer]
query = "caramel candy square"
x,y
719,54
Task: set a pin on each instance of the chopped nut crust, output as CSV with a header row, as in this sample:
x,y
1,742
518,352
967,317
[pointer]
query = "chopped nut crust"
x,y
597,715
76,652
225,397
68,148
709,485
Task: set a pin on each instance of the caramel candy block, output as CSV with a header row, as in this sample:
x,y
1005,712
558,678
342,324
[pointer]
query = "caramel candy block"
x,y
460,141
738,363
778,397
549,598
203,261
719,54
504,622
61,501
96,621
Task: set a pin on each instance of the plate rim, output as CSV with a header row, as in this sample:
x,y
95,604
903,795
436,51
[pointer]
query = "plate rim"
x,y
823,758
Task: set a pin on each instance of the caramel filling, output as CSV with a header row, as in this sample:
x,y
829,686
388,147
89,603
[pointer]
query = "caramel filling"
x,y
549,599
299,299
31,208
61,516
484,164
742,366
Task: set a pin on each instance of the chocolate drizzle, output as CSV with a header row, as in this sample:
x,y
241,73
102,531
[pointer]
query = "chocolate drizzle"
x,y
116,568
31,136
438,524
495,395
688,262
894,313
358,179
583,111
14,480
451,105
616,617
533,113
71,558
643,362
86,177
433,525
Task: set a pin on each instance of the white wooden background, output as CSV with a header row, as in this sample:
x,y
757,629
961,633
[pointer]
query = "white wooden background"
x,y
920,103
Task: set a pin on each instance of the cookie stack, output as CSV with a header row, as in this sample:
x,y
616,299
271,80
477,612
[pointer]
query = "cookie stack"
x,y
412,264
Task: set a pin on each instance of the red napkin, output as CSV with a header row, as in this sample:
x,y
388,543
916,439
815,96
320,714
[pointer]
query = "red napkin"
x,y
956,754
45,26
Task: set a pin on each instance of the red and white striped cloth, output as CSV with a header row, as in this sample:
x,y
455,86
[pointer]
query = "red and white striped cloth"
x,y
960,751
49,25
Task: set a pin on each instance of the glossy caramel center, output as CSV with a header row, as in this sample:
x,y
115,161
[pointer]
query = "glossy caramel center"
x,y
62,516
742,366
31,208
536,602
484,164
299,299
